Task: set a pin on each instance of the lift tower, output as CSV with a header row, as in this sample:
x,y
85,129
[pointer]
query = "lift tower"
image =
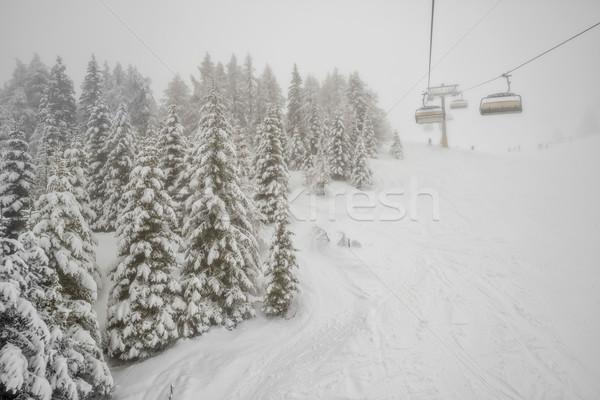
x,y
442,91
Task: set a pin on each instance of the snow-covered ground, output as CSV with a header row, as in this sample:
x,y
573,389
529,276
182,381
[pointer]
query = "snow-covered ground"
x,y
499,299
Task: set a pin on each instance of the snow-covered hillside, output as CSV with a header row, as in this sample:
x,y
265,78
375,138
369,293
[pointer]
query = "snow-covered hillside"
x,y
499,299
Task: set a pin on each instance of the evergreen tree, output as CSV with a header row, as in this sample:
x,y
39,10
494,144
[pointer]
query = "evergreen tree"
x,y
24,336
280,266
268,92
221,252
368,134
67,241
361,174
339,153
233,91
295,101
178,94
16,177
173,147
76,160
64,363
96,147
396,150
299,154
319,175
61,105
244,158
312,114
119,163
91,92
270,168
249,95
333,91
144,302
356,97
141,103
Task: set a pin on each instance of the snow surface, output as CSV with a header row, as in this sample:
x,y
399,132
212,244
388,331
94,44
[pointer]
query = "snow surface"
x,y
499,299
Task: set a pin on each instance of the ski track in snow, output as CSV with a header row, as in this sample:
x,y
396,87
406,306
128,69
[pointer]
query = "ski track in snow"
x,y
463,308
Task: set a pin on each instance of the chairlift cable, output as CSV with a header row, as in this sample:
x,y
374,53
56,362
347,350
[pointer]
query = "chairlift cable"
x,y
444,56
430,44
534,58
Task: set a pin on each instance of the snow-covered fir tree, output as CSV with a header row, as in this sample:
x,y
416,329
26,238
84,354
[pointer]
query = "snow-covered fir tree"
x,y
319,175
16,178
244,157
60,103
339,151
270,168
248,93
141,105
312,114
396,150
91,92
64,363
361,174
144,303
76,162
24,336
299,154
221,252
268,92
233,90
281,265
368,134
173,148
121,150
295,120
67,241
98,131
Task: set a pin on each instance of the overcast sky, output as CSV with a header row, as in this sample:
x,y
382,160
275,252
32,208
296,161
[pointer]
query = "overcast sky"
x,y
386,41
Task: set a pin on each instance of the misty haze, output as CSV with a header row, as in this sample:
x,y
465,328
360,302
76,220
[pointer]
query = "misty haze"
x,y
299,200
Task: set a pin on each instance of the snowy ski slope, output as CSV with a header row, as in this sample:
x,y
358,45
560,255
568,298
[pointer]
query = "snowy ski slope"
x,y
499,299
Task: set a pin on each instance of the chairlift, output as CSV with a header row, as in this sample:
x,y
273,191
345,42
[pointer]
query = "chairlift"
x,y
501,103
429,114
459,103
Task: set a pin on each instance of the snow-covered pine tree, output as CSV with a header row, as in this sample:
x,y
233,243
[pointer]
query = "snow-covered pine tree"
x,y
299,155
61,104
268,92
339,151
319,175
63,361
295,119
361,174
368,134
244,158
119,163
280,265
77,164
140,100
221,251
16,178
356,98
396,150
67,241
270,167
248,93
144,303
24,336
233,90
98,131
173,148
312,114
91,92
